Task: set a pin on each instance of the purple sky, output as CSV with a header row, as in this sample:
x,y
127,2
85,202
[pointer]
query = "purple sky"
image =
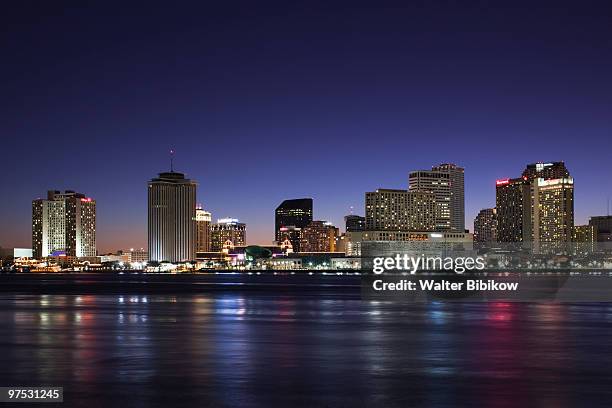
x,y
268,101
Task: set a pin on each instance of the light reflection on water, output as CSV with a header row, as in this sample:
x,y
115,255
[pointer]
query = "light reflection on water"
x,y
318,349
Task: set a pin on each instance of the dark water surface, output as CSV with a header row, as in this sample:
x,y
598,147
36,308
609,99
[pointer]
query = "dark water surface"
x,y
304,349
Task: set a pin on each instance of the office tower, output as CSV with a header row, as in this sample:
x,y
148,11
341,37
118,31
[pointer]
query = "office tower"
x,y
387,209
485,226
64,223
554,170
203,219
421,211
227,233
354,223
553,209
457,191
293,234
171,218
319,236
513,210
437,183
538,207
603,227
296,213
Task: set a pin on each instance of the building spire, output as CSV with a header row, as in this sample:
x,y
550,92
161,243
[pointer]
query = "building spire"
x,y
171,160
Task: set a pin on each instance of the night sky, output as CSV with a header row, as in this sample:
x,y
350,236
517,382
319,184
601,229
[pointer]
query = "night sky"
x,y
268,101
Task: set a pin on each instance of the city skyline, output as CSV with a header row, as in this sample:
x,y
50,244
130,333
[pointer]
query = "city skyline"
x,y
257,117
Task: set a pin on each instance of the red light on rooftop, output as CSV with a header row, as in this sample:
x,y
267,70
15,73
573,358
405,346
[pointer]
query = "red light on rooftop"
x,y
502,182
86,200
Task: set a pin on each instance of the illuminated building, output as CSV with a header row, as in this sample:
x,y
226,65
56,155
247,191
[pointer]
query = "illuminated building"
x,y
354,223
319,236
446,183
538,207
512,205
203,219
386,209
296,213
292,234
171,218
554,170
553,209
457,191
227,233
64,223
603,226
584,233
485,226
421,211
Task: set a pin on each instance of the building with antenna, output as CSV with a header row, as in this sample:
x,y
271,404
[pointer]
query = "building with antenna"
x,y
171,217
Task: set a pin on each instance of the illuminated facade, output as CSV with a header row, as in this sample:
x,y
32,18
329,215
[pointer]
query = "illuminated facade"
x,y
553,210
292,234
171,218
64,223
421,211
203,219
227,233
438,184
296,213
386,209
319,236
538,207
457,194
513,208
485,226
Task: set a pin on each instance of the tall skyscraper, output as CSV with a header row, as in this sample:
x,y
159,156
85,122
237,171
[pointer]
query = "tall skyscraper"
x,y
387,209
553,209
538,207
485,226
354,223
227,233
457,189
319,236
446,182
64,223
171,218
203,219
513,210
292,213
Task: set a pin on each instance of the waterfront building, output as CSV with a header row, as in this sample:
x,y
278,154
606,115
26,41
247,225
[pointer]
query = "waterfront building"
x,y
64,223
387,209
171,218
421,211
553,209
485,226
319,236
292,213
537,207
227,233
292,234
457,194
203,219
512,205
